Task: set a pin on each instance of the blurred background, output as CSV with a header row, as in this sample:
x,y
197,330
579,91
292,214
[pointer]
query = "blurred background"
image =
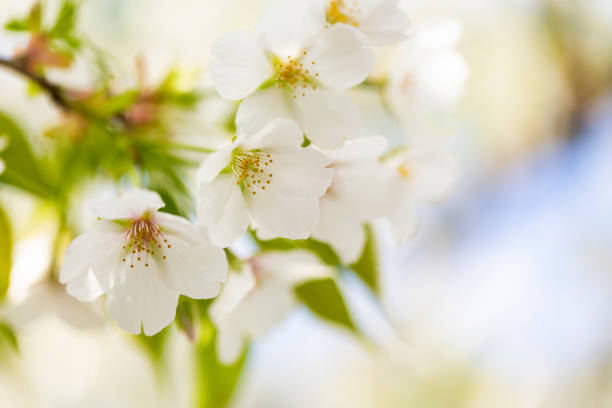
x,y
504,299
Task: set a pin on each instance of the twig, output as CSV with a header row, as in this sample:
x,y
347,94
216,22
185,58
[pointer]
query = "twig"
x,y
57,93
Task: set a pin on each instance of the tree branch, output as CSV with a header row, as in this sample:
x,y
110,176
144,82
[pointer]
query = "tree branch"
x,y
55,92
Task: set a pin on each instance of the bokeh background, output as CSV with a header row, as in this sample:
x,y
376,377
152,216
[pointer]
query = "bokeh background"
x,y
504,299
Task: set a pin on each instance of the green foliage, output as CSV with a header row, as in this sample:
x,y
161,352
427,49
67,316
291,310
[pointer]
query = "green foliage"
x,y
65,23
155,345
216,382
367,266
22,167
322,250
323,297
8,336
6,246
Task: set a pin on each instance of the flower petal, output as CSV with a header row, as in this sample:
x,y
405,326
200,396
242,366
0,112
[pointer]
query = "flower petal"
x,y
279,216
286,25
129,204
222,210
291,267
141,299
229,345
261,108
280,135
197,270
385,24
301,174
340,57
433,174
403,221
85,287
363,186
96,250
360,149
328,118
240,65
213,164
340,227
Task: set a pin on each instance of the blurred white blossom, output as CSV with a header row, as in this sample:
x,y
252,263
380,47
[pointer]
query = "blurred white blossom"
x,y
259,296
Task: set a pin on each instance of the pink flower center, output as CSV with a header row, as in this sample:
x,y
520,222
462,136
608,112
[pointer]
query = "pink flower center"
x,y
143,239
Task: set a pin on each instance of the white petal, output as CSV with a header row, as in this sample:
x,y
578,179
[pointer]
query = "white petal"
x,y
97,250
194,271
240,65
129,204
433,174
280,135
237,287
360,149
328,118
213,164
291,267
365,186
286,25
262,309
301,174
229,345
340,227
261,108
85,287
2,166
403,221
386,24
340,57
279,216
141,298
222,210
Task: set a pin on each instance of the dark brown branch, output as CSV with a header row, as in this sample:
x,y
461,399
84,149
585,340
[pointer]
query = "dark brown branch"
x,y
55,92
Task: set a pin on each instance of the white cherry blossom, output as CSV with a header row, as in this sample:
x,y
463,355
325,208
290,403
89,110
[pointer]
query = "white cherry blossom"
x,y
427,74
360,192
267,180
260,296
294,67
420,175
380,20
142,260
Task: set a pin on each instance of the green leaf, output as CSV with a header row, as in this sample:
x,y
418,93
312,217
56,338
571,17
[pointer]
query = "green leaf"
x,y
6,246
154,345
322,250
367,267
323,298
216,382
17,25
8,336
65,21
22,167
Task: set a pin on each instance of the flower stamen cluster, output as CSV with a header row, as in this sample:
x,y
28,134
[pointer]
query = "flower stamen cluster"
x,y
252,170
343,12
141,239
293,74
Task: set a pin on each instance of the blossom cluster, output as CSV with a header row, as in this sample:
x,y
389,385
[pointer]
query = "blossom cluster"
x,y
298,167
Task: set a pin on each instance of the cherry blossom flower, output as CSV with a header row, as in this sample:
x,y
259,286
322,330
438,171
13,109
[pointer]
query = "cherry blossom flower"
x,y
359,192
266,180
427,73
142,260
295,68
380,20
260,296
419,175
